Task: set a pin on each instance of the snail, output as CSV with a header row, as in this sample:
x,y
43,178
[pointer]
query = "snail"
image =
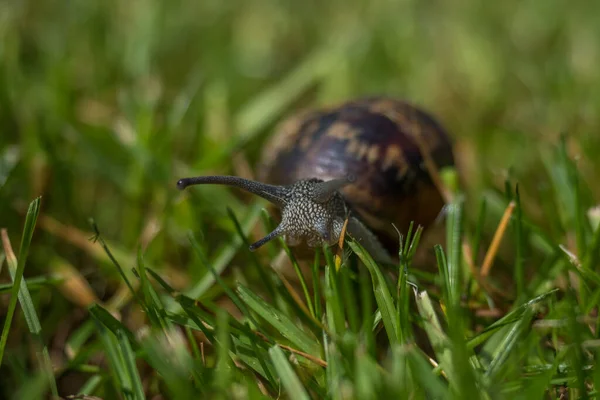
x,y
362,160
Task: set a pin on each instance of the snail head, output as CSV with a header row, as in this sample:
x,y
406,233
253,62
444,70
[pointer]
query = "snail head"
x,y
312,210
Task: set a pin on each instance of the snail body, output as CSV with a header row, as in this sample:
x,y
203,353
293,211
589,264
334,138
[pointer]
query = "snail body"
x,y
362,160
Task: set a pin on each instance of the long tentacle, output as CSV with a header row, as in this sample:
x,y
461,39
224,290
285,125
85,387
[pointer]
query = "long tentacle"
x,y
272,193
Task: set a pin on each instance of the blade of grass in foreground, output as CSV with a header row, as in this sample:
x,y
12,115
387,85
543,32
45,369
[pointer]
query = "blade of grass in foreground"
x,y
450,266
129,361
153,305
292,384
111,349
454,253
16,268
437,337
383,296
513,316
30,220
403,288
520,247
507,346
223,369
279,321
333,300
172,361
105,318
90,385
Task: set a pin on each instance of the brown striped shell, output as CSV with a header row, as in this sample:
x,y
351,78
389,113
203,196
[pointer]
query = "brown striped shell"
x,y
378,140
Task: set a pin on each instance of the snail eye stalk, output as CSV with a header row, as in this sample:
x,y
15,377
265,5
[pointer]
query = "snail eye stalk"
x,y
272,193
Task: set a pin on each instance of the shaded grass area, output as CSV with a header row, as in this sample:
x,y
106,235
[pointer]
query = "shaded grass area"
x,y
103,106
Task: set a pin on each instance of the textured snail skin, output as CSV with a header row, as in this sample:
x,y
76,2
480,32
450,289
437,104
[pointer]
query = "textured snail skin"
x,y
312,211
380,141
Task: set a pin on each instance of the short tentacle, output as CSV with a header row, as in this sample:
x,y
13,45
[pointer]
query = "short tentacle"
x,y
277,232
324,190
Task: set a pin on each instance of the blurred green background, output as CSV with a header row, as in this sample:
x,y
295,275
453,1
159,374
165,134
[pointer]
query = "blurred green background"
x,y
105,104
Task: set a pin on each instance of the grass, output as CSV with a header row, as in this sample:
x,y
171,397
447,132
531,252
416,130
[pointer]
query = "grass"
x,y
103,106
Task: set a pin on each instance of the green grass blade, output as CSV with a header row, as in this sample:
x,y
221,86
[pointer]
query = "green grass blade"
x,y
279,321
537,387
248,351
427,380
334,310
290,381
170,359
300,277
33,284
90,385
223,373
403,287
160,281
191,310
34,388
508,345
35,329
118,368
98,238
21,292
152,303
367,377
366,300
383,296
519,274
30,221
316,279
437,337
349,298
478,230
510,318
129,361
109,321
592,256
454,253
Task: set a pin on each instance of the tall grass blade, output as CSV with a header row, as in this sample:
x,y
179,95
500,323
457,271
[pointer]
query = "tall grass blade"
x,y
508,346
30,221
519,274
334,310
438,339
290,381
454,244
129,361
118,369
16,268
382,293
170,359
223,372
279,321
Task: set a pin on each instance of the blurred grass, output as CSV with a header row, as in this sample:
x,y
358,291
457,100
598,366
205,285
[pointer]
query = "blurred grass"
x,y
104,105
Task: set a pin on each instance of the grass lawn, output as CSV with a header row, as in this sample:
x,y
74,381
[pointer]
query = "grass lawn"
x,y
115,284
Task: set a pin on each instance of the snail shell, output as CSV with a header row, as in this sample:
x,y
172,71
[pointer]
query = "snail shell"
x,y
380,141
